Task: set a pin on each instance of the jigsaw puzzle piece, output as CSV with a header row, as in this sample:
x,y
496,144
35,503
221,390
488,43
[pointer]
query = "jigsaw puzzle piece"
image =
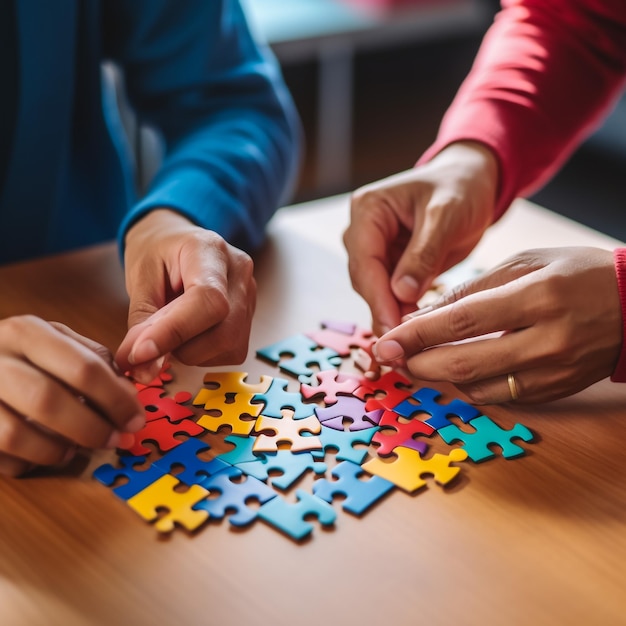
x,y
407,469
157,405
359,494
278,397
234,496
241,453
235,416
394,432
424,400
162,495
302,353
235,382
331,384
486,434
186,455
163,434
291,517
384,393
344,442
350,409
287,430
333,336
291,467
136,479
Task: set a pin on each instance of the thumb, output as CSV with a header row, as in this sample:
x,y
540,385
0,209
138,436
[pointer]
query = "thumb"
x,y
421,262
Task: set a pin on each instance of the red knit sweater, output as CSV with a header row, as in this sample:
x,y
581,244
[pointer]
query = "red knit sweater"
x,y
546,75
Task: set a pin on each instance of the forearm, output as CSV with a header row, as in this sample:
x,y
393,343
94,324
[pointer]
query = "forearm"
x,y
546,74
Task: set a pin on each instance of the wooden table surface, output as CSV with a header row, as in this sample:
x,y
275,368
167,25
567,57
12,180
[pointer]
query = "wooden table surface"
x,y
536,540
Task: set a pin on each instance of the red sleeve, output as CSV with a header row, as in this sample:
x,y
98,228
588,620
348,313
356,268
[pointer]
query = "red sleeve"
x,y
619,255
546,74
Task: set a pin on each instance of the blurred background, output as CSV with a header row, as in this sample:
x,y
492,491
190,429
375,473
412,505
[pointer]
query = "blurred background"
x,y
372,79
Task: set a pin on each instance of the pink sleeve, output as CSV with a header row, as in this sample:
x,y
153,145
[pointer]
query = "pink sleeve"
x,y
546,74
619,255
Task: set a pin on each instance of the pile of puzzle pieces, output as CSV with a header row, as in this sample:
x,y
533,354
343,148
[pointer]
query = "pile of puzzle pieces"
x,y
379,431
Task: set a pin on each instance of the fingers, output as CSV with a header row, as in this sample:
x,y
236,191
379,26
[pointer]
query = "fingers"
x,y
57,394
28,444
67,368
198,308
369,240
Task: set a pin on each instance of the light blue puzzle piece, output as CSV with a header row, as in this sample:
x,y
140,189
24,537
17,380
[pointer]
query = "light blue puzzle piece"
x,y
290,517
359,494
292,465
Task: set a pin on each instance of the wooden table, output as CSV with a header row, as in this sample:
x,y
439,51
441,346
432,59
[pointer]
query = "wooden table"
x,y
536,540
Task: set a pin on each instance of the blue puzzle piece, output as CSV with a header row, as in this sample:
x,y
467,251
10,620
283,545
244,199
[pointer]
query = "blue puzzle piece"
x,y
290,517
242,452
359,494
291,465
424,400
303,353
487,433
277,397
194,468
234,496
138,479
343,441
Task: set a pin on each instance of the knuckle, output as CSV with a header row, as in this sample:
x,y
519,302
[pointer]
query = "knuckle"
x,y
42,400
10,435
460,370
477,393
463,324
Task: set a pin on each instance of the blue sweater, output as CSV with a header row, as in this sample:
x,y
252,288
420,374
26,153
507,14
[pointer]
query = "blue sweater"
x,y
192,71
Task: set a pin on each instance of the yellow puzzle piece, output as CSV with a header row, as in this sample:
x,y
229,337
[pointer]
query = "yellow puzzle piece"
x,y
161,495
407,469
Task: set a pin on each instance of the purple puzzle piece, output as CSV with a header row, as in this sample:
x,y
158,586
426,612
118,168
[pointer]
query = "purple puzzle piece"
x,y
234,495
350,408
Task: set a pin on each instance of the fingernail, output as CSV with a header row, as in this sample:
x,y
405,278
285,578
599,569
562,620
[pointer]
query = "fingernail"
x,y
126,441
407,289
146,351
120,440
147,372
388,350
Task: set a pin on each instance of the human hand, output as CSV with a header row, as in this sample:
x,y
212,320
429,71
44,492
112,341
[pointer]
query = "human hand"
x,y
58,391
407,229
191,295
557,317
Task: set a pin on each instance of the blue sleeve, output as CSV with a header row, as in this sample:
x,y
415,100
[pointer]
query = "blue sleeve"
x,y
231,132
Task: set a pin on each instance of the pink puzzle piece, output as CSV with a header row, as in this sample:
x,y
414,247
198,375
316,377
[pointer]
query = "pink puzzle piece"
x,y
341,342
331,384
